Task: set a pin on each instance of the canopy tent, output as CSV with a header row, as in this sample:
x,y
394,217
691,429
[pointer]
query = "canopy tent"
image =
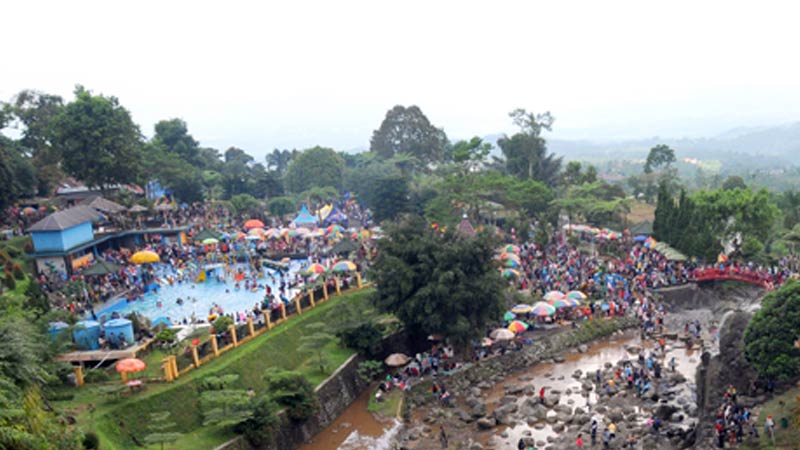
x,y
335,216
137,209
102,267
205,234
305,219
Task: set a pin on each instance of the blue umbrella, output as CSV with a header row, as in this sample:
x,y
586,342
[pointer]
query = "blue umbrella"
x,y
640,238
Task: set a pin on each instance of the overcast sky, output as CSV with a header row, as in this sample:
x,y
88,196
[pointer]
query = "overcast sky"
x,y
301,73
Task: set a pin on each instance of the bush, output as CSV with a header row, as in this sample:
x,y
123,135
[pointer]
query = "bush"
x,y
91,441
96,376
10,282
18,273
769,339
365,339
293,391
221,324
166,336
214,383
259,430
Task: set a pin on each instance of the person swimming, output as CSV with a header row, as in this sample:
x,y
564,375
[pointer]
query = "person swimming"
x,y
179,301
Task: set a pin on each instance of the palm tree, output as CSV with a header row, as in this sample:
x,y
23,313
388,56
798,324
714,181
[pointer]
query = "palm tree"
x,y
279,160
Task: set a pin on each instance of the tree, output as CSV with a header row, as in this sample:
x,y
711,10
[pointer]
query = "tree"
x,y
174,135
280,206
100,143
438,283
390,198
733,182
471,154
407,130
770,337
159,427
314,342
221,405
526,152
317,166
660,156
279,160
243,203
292,391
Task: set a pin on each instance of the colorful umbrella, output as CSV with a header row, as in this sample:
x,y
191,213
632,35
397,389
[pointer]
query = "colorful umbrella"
x,y
240,235
315,268
502,334
343,266
271,232
303,231
559,303
509,273
128,365
518,326
506,255
509,316
511,263
145,257
511,248
256,232
543,309
334,229
253,237
210,241
28,210
253,223
576,295
522,308
396,360
552,295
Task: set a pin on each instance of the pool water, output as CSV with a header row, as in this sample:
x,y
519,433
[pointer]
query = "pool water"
x,y
199,298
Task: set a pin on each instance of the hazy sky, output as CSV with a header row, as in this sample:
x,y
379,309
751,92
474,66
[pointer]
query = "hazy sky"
x,y
300,73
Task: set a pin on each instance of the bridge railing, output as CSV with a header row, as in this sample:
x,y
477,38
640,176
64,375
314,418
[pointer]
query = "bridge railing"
x,y
728,274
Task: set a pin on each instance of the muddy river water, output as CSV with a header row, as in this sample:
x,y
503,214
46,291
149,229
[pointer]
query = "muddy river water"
x,y
358,429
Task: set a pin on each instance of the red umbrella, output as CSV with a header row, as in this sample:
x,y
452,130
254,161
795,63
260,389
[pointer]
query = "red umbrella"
x,y
253,223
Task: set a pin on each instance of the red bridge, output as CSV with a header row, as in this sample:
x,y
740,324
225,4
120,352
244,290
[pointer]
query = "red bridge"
x,y
713,274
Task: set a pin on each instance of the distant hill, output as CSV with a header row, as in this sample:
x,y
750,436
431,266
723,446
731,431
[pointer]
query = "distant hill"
x,y
760,147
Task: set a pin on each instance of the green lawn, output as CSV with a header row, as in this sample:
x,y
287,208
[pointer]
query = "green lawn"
x,y
121,422
389,406
784,405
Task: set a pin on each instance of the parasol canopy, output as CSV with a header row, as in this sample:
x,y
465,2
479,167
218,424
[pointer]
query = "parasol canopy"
x,y
502,334
518,326
210,241
396,360
509,316
553,295
559,303
576,295
344,266
253,223
315,268
129,365
522,308
145,257
510,273
543,309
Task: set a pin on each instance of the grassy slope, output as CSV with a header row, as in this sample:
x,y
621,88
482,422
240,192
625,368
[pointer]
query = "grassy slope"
x,y
115,420
784,438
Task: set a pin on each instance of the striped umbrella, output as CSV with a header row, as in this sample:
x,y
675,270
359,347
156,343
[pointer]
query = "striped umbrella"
x,y
518,326
511,248
343,266
315,268
506,255
509,316
334,229
509,273
553,295
576,295
303,231
559,303
543,309
511,263
522,308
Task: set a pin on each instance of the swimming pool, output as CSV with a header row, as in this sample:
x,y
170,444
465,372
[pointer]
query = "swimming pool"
x,y
198,298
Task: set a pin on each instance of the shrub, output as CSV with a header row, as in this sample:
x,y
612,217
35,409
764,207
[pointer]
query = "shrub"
x,y
96,376
91,441
769,339
221,324
259,430
293,391
365,339
166,336
18,273
10,282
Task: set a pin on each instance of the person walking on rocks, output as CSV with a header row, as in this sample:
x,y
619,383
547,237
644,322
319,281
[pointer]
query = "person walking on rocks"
x,y
769,428
579,441
594,431
443,437
541,395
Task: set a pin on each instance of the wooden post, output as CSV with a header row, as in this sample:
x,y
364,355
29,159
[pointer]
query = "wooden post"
x,y
267,318
325,290
311,297
283,311
232,331
124,377
174,364
214,346
250,327
358,280
195,357
297,304
338,287
78,375
166,365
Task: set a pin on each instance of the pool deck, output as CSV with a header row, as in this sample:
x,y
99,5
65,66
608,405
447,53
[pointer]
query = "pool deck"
x,y
101,355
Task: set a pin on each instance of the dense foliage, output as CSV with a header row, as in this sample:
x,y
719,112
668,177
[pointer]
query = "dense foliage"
x,y
438,283
771,336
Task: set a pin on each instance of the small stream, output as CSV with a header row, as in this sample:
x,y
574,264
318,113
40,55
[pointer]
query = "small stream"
x,y
358,429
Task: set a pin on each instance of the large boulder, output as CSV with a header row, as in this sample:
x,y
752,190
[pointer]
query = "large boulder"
x,y
485,423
